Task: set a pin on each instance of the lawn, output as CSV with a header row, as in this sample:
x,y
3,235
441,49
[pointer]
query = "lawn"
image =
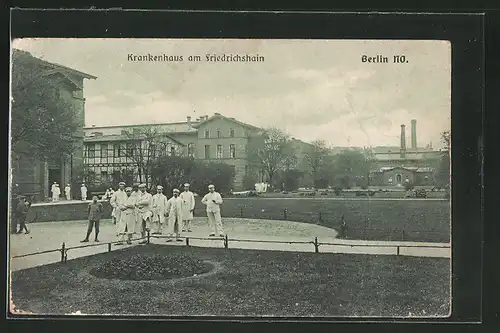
x,y
243,282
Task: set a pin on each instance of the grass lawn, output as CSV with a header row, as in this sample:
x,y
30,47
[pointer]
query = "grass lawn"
x,y
244,282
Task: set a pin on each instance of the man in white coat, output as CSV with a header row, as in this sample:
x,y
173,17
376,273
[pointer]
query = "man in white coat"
x,y
116,200
159,210
174,211
144,206
52,188
56,192
188,203
83,191
213,200
67,192
127,222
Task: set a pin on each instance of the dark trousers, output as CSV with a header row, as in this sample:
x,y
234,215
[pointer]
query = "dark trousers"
x,y
21,221
91,226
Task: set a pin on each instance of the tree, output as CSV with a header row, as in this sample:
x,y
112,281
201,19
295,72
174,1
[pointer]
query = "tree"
x,y
42,124
273,152
350,165
317,157
145,145
443,169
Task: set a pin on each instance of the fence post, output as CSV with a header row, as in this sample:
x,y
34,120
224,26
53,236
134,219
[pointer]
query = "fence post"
x,y
403,235
109,247
226,241
320,217
397,250
241,211
187,241
316,245
148,237
284,213
63,251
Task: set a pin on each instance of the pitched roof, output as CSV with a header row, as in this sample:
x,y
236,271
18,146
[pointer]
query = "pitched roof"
x,y
219,116
17,52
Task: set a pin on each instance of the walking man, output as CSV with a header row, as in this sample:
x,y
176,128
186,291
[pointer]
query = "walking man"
x,y
213,200
174,210
144,210
95,214
56,192
117,198
127,222
67,192
22,212
159,210
188,203
83,191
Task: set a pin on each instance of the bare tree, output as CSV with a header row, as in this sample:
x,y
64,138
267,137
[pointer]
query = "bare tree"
x,y
316,156
145,145
272,152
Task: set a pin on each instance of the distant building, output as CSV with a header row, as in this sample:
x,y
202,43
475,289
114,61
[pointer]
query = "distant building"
x,y
393,166
217,138
32,176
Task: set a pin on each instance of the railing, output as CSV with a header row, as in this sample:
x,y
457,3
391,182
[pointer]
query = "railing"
x,y
64,249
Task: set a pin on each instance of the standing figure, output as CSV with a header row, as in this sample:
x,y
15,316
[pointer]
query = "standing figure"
x,y
187,208
213,200
159,210
52,189
67,192
109,193
127,222
174,211
83,191
144,206
116,200
56,192
95,211
21,214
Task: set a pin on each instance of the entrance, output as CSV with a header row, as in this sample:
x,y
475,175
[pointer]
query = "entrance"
x,y
54,176
398,179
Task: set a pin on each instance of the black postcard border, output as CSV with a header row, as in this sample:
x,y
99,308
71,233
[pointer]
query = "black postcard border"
x,y
465,31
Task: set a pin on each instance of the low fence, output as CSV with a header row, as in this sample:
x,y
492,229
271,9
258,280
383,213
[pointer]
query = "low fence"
x,y
226,240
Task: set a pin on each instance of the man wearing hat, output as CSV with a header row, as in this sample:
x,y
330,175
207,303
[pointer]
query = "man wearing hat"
x,y
174,210
67,192
144,210
159,210
56,192
117,198
188,203
83,192
213,200
127,223
21,214
52,188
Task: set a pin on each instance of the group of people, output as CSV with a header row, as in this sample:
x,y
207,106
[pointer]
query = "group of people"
x,y
56,192
137,211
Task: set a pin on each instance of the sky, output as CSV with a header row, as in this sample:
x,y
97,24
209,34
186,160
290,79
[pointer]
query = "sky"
x,y
312,89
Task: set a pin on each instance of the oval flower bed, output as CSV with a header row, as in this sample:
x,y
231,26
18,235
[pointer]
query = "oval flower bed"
x,y
151,267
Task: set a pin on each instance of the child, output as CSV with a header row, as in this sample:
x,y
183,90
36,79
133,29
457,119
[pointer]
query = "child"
x,y
95,213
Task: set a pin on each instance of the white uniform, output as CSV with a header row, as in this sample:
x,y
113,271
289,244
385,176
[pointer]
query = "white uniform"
x,y
174,209
55,194
159,212
144,210
118,198
52,189
213,212
67,191
188,203
127,222
83,191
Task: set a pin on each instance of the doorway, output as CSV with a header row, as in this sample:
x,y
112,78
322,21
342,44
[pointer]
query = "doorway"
x,y
54,176
399,179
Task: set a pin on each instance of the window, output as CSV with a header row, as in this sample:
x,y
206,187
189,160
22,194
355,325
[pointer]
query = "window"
x,y
152,150
219,151
172,151
231,133
116,149
129,149
91,150
207,134
104,150
207,151
232,151
218,133
190,149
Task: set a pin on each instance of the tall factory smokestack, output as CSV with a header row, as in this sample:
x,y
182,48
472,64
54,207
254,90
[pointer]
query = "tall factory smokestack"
x,y
403,141
414,133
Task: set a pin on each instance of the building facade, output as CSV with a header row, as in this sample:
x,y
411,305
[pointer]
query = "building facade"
x,y
32,176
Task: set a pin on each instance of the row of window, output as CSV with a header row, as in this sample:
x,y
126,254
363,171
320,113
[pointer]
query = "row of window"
x,y
219,133
219,153
127,150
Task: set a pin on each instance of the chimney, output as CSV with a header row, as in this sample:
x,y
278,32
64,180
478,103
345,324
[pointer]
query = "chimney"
x,y
93,126
413,134
216,114
403,141
189,120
